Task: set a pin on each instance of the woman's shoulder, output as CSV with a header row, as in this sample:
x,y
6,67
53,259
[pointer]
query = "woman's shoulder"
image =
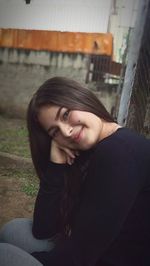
x,y
124,154
123,143
124,136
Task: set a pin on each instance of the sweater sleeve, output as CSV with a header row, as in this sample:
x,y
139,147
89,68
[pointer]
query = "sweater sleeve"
x,y
111,188
47,205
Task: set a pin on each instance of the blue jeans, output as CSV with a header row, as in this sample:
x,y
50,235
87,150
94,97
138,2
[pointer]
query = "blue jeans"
x,y
17,242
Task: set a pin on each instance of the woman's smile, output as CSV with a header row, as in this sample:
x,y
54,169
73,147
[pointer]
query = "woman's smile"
x,y
78,136
71,128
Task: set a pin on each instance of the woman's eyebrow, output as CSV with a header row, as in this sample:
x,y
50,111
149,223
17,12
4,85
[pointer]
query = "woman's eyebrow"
x,y
56,118
58,113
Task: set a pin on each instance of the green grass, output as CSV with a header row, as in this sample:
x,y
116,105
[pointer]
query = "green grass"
x,y
30,189
14,140
14,137
29,180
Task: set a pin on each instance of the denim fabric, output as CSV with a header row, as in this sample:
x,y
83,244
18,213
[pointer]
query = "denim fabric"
x,y
17,241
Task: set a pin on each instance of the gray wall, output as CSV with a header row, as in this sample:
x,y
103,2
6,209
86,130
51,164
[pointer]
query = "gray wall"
x,y
22,72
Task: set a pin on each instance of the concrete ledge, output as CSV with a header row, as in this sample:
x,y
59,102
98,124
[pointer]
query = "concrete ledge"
x,y
7,159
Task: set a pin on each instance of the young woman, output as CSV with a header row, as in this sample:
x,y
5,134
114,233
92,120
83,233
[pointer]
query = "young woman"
x,y
94,194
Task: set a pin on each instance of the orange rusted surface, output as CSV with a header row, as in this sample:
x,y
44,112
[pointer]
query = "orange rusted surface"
x,y
95,43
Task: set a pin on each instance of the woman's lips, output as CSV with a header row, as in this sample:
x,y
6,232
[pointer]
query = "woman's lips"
x,y
77,137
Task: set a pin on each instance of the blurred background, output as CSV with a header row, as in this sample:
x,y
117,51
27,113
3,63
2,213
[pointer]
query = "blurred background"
x,y
105,45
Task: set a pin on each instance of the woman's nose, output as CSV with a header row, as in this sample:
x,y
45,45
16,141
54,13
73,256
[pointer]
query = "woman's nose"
x,y
66,130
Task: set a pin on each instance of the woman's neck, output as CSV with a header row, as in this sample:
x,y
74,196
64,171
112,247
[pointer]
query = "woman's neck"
x,y
108,128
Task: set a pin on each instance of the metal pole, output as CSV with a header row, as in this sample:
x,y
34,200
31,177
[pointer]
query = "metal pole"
x,y
133,54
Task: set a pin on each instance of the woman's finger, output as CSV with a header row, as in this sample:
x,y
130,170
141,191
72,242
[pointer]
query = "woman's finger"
x,y
70,160
69,152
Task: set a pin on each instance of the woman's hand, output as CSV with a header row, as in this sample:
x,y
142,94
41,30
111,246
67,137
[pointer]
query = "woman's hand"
x,y
60,154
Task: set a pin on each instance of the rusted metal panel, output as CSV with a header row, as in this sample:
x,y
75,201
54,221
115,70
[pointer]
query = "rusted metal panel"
x,y
95,43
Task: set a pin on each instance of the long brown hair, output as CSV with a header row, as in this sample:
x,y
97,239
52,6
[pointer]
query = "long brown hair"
x,y
67,93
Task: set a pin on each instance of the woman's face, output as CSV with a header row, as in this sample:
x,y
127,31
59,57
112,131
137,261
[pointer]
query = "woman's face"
x,y
71,128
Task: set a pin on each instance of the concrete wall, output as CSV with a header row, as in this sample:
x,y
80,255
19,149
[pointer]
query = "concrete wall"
x,y
22,72
122,19
44,58
19,82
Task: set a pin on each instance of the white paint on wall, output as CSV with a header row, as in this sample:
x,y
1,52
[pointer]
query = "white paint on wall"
x,y
57,15
122,18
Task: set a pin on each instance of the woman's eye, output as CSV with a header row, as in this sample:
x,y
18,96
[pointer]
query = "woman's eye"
x,y
65,115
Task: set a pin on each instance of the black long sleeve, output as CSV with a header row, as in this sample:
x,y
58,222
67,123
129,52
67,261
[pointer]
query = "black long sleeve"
x,y
46,220
114,193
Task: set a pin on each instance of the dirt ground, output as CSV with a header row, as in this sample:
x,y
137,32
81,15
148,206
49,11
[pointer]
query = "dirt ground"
x,y
17,182
14,202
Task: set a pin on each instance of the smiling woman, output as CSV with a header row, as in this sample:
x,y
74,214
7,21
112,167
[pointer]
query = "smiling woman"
x,y
94,185
73,129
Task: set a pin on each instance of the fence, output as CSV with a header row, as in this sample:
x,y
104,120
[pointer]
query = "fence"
x,y
133,106
134,111
139,109
99,65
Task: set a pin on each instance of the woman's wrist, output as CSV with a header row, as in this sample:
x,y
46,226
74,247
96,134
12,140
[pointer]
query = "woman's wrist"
x,y
57,162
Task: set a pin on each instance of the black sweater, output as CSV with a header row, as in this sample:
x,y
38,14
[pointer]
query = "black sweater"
x,y
112,224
